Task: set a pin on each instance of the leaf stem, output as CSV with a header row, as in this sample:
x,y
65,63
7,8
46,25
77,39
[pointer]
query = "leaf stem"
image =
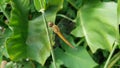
x,y
82,40
48,33
115,58
111,53
61,15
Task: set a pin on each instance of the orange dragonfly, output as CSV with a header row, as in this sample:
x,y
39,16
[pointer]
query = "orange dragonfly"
x,y
56,29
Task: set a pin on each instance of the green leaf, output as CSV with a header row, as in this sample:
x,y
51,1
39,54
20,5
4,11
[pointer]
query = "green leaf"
x,y
29,39
37,39
75,3
118,11
16,44
75,58
3,2
97,22
58,64
40,5
5,35
56,3
38,35
5,32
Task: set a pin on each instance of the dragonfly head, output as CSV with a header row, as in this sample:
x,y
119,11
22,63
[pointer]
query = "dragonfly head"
x,y
50,24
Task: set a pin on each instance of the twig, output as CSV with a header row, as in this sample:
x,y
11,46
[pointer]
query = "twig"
x,y
111,53
61,15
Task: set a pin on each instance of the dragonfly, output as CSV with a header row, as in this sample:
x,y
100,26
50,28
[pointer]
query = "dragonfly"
x,y
56,30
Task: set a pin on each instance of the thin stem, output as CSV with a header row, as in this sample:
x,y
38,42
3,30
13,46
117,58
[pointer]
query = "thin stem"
x,y
107,62
115,58
80,41
61,15
4,12
48,33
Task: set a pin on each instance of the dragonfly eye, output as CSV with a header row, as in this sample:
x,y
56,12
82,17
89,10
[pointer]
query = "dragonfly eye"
x,y
50,24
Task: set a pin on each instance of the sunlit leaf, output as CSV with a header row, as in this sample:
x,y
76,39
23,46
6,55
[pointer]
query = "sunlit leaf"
x,y
16,44
40,5
118,11
98,23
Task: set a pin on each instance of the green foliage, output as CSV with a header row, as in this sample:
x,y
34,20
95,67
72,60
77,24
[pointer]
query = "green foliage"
x,y
40,5
118,11
2,2
37,36
98,25
19,65
78,58
31,42
16,44
26,41
75,3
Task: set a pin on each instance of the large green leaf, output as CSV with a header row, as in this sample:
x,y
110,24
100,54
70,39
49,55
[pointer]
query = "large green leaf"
x,y
29,39
16,44
97,22
118,13
37,39
75,58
